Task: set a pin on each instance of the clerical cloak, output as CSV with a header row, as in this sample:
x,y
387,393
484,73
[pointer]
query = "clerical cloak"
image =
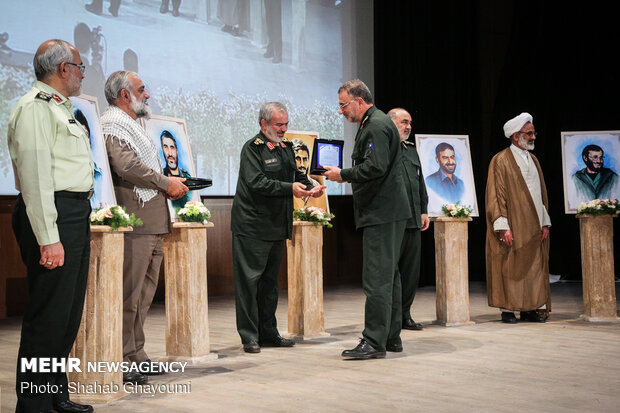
x,y
517,276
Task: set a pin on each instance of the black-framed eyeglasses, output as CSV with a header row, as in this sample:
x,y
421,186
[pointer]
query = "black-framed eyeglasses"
x,y
81,67
530,133
344,105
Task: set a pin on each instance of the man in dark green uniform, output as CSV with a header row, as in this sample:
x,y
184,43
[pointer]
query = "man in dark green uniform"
x,y
381,209
410,251
261,219
53,166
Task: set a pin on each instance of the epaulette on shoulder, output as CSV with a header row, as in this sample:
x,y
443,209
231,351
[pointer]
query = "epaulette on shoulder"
x,y
259,141
286,141
44,96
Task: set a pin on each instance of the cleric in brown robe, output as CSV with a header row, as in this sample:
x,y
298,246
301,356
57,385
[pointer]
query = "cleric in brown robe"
x,y
517,245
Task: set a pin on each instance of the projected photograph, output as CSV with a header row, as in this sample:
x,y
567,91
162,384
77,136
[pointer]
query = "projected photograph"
x,y
213,63
172,142
85,110
447,170
303,142
590,164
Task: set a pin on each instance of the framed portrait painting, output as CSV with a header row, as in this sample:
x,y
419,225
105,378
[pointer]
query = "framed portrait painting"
x,y
447,170
86,111
172,142
303,144
590,164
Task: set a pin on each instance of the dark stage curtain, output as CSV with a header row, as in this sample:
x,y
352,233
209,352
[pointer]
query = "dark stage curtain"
x,y
466,67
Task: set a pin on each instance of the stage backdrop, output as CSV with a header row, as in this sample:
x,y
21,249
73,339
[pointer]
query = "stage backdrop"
x,y
193,70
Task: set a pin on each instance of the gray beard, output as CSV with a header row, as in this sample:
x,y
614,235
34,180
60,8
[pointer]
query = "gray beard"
x,y
523,142
142,109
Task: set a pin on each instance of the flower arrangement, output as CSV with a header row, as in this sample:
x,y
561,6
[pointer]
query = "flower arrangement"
x,y
599,207
194,211
314,214
456,210
114,216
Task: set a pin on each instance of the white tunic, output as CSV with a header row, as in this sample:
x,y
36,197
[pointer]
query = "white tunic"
x,y
530,175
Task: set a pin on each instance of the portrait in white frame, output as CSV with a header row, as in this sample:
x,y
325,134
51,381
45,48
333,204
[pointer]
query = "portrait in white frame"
x,y
447,171
172,142
86,111
590,165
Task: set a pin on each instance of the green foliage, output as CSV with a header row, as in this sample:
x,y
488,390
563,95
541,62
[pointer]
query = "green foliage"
x,y
314,214
599,207
114,216
194,212
456,210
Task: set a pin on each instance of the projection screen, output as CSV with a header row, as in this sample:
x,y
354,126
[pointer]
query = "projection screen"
x,y
205,63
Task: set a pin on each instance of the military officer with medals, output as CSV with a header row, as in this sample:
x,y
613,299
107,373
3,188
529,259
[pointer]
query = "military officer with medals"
x,y
381,208
53,169
261,219
410,250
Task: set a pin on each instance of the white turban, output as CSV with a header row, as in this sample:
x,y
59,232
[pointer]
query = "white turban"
x,y
515,124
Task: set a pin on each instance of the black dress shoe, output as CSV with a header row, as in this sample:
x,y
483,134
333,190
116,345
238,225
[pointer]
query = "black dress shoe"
x,y
69,406
532,316
146,367
277,342
508,317
135,377
363,351
251,347
409,324
394,347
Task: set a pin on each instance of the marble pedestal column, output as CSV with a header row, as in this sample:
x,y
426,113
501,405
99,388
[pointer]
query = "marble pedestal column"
x,y
452,284
187,315
306,316
100,338
597,267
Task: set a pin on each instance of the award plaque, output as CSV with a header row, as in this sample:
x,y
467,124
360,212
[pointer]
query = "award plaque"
x,y
197,183
326,152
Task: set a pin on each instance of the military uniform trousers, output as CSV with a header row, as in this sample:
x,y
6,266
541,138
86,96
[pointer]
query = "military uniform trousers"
x,y
256,266
409,267
143,256
381,283
56,299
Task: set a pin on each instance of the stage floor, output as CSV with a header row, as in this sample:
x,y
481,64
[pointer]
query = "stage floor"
x,y
565,365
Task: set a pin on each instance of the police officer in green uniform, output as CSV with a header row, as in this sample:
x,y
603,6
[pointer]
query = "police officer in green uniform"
x,y
410,250
53,170
381,209
172,168
261,219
